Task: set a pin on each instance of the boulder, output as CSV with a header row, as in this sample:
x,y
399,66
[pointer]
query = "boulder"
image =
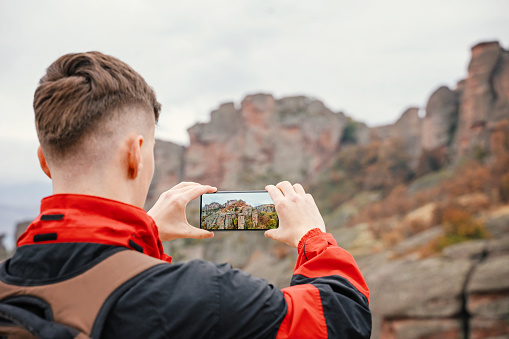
x,y
466,250
428,288
488,292
490,276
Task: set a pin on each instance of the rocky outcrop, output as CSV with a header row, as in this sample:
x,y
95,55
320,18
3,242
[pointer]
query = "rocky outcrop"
x,y
487,291
441,118
461,293
407,128
484,99
264,141
20,229
236,214
3,250
268,208
267,139
168,171
261,142
220,220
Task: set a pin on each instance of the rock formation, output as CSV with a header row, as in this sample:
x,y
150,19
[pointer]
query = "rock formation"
x,y
236,214
263,141
464,293
409,128
169,162
3,251
222,220
441,119
265,208
266,138
484,98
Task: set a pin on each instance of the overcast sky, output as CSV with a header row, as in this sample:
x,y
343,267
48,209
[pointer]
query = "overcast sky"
x,y
370,59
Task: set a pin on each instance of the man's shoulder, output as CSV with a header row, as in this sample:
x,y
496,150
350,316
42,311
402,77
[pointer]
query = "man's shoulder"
x,y
182,276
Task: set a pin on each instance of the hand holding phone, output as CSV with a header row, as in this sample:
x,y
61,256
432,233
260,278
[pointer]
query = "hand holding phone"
x,y
169,212
297,213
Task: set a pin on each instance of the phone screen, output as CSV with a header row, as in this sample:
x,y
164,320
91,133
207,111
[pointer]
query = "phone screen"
x,y
246,210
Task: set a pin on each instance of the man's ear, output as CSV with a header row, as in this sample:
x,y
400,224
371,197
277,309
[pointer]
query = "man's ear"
x,y
42,162
134,157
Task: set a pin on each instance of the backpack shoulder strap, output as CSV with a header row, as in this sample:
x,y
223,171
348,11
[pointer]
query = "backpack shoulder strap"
x,y
76,302
23,324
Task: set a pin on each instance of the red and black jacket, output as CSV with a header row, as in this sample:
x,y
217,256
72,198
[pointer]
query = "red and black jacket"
x,y
328,296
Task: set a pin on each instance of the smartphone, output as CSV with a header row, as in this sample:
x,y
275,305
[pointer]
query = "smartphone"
x,y
237,210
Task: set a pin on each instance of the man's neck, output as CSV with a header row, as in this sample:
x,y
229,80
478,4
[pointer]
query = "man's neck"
x,y
109,188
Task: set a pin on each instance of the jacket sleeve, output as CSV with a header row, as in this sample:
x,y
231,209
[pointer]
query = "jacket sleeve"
x,y
328,296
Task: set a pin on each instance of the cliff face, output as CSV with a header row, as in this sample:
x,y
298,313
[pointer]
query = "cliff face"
x,y
266,139
168,171
409,128
484,97
263,142
441,117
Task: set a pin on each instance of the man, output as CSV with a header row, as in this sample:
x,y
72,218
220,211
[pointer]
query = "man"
x,y
95,120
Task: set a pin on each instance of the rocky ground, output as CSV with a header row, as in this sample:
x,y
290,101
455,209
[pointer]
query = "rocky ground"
x,y
461,292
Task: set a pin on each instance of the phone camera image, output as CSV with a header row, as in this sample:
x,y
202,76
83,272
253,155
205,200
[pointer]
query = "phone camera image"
x,y
247,210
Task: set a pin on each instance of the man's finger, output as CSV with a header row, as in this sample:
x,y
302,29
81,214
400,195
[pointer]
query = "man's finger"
x,y
274,192
184,184
286,188
271,234
190,193
198,233
299,189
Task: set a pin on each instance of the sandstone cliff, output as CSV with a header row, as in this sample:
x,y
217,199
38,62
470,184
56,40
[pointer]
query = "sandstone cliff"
x,y
484,97
263,141
269,139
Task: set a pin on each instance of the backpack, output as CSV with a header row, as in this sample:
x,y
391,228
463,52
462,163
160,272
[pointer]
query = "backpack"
x,y
73,308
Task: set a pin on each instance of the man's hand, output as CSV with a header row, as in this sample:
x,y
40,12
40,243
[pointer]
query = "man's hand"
x,y
297,212
169,212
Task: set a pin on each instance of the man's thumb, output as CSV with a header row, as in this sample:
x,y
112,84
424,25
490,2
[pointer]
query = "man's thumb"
x,y
197,233
271,234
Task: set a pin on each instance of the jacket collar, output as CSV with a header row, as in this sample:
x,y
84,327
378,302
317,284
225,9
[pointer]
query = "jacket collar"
x,y
82,218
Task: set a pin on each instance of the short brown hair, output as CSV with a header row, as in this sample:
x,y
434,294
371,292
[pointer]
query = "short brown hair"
x,y
81,89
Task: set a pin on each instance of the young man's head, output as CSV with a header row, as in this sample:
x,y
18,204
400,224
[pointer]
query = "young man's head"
x,y
95,119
